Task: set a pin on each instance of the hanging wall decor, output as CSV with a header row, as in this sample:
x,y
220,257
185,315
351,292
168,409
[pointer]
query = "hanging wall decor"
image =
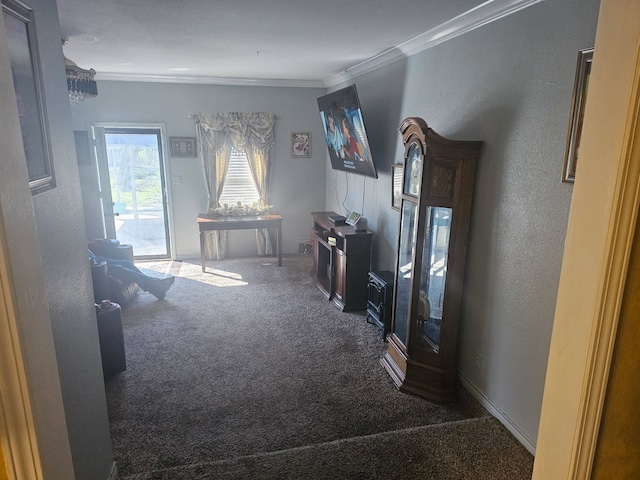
x,y
581,84
25,66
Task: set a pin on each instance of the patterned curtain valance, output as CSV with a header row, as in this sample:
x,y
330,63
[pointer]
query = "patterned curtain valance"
x,y
240,130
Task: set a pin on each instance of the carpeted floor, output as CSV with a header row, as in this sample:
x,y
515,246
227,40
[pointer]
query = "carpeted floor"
x,y
247,371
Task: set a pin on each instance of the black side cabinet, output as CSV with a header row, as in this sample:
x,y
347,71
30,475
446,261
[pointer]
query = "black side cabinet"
x,y
380,301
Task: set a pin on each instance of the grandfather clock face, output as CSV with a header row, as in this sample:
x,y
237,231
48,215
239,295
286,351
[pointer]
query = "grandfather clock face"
x,y
413,171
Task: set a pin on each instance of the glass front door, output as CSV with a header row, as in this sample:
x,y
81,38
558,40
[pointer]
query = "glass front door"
x,y
133,189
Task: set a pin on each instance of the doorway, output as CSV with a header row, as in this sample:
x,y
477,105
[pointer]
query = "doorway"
x,y
132,182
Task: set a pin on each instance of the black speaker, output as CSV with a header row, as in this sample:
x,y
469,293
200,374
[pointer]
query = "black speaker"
x,y
111,337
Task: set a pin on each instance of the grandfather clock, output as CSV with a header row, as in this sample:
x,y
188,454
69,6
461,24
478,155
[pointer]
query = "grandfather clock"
x,y
437,192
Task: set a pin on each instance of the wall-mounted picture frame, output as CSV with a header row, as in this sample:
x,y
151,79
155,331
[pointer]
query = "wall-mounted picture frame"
x,y
22,46
301,144
397,174
580,87
182,146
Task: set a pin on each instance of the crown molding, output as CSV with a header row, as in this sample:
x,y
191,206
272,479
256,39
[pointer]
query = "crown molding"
x,y
253,82
483,14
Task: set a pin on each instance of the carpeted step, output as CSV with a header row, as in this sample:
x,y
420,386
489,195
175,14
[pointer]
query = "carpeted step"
x,y
473,449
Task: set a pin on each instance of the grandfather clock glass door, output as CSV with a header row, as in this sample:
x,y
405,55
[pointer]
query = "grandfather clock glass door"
x,y
407,244
436,204
433,276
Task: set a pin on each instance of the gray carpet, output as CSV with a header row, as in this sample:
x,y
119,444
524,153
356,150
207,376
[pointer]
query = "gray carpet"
x,y
247,371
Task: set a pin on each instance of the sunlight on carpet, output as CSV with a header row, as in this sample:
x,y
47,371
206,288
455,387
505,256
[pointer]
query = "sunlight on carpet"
x,y
193,271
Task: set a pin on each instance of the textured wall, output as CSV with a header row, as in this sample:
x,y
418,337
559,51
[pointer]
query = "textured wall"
x,y
25,314
61,234
298,183
510,84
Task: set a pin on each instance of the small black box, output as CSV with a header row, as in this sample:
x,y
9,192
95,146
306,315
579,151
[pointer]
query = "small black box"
x,y
337,219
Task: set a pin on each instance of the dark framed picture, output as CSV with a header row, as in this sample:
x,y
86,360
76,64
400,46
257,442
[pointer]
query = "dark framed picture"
x,y
182,146
301,144
580,87
27,80
397,174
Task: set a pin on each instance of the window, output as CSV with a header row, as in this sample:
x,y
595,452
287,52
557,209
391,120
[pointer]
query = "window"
x,y
239,185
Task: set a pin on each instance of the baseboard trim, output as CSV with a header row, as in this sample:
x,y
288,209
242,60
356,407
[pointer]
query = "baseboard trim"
x,y
113,475
522,437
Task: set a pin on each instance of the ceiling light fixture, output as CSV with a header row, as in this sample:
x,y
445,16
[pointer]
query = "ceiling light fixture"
x,y
80,82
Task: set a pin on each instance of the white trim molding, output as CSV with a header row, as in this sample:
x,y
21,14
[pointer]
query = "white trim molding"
x,y
502,417
483,14
113,474
620,237
242,82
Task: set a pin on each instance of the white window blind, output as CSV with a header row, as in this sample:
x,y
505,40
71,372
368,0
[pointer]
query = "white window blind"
x,y
239,184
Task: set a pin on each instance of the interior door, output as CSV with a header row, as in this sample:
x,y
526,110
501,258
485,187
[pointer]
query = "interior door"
x,y
133,188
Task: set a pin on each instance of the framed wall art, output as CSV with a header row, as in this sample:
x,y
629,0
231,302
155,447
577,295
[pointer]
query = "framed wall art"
x,y
397,174
580,87
27,79
301,144
182,146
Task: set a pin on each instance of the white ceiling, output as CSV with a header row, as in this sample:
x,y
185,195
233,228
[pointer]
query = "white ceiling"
x,y
249,41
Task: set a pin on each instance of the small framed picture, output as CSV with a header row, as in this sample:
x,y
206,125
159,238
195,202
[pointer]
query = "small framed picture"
x,y
182,146
353,218
581,84
300,144
397,174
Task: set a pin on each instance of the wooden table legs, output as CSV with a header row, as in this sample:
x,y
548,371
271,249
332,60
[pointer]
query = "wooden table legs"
x,y
203,258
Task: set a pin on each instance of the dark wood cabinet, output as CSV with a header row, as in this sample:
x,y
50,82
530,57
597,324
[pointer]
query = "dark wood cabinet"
x,y
435,212
379,302
341,261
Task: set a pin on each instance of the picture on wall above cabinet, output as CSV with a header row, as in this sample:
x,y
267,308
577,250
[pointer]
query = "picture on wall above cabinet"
x,y
580,86
300,144
182,146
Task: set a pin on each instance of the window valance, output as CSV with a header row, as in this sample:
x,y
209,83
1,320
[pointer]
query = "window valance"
x,y
240,130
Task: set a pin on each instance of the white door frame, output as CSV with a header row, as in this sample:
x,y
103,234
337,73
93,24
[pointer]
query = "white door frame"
x,y
600,233
108,204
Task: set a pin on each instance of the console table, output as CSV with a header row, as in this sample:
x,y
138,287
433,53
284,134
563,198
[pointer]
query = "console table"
x,y
207,223
341,260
